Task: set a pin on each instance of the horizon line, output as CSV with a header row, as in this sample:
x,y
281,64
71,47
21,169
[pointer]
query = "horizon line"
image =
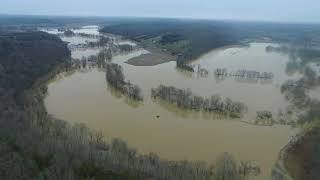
x,y
167,17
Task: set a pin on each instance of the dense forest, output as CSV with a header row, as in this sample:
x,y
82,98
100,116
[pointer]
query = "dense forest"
x,y
22,53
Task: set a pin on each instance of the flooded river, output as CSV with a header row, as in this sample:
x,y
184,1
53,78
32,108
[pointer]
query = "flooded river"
x,y
85,97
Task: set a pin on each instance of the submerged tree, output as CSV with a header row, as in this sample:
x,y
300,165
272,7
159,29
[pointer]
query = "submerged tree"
x,y
125,48
226,168
181,63
115,77
184,98
105,54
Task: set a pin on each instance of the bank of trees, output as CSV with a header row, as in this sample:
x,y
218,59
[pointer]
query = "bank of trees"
x,y
184,98
103,57
102,41
243,73
116,79
88,35
100,60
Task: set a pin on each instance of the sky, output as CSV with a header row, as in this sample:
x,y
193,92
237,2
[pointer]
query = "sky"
x,y
266,10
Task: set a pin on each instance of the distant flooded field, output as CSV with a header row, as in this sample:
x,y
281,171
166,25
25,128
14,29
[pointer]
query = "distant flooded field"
x,y
175,134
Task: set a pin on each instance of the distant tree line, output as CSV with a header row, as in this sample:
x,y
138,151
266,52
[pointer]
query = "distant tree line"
x,y
243,73
100,60
187,100
115,77
102,41
125,48
87,35
171,38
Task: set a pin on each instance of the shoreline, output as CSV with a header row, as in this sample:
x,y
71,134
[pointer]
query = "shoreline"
x,y
298,155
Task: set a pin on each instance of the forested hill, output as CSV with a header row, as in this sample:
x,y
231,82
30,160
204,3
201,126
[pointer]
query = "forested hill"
x,y
26,56
187,38
192,38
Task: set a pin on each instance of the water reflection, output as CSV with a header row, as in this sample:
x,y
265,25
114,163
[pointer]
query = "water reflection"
x,y
253,80
184,73
119,95
189,114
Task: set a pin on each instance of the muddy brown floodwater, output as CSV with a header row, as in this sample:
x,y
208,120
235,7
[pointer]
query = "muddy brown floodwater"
x,y
84,97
